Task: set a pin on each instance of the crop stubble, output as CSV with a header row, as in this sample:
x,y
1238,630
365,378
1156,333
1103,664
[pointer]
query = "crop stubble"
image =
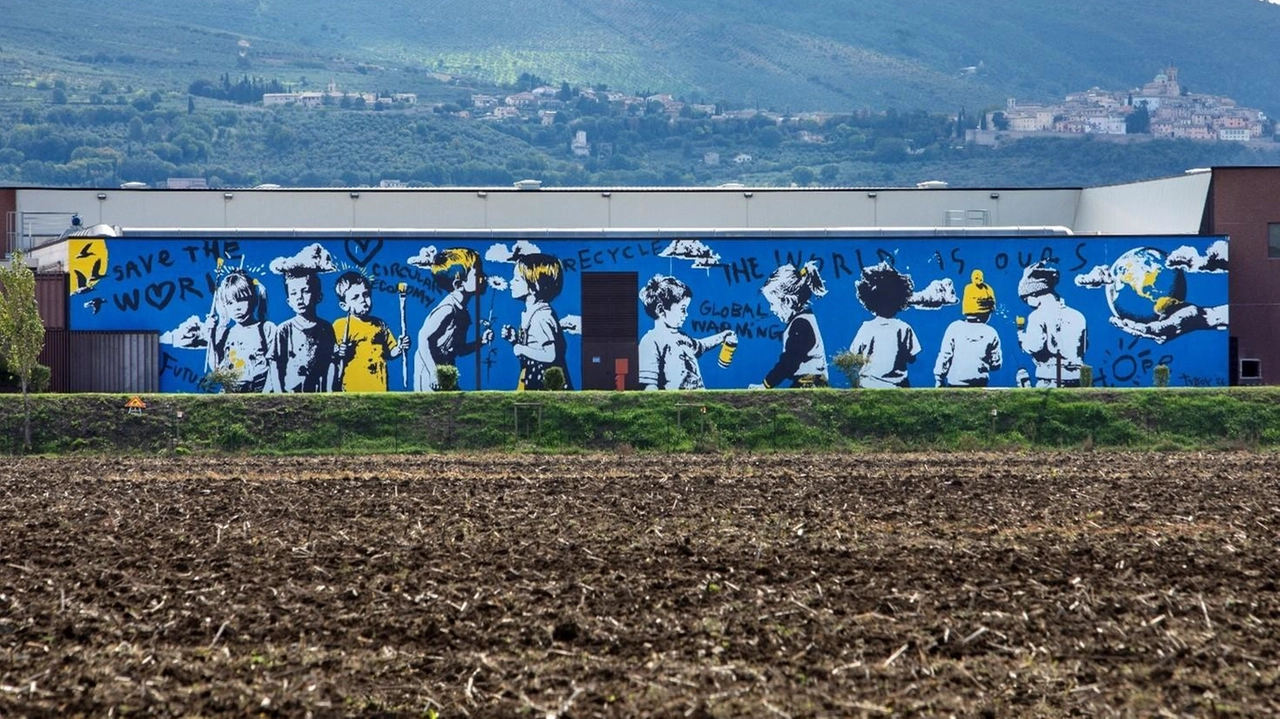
x,y
1046,584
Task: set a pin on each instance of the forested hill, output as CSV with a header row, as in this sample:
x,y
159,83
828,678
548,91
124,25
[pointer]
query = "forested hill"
x,y
810,55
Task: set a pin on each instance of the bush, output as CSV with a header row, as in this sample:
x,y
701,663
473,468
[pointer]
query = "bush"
x,y
1086,375
41,377
446,378
219,381
850,365
39,381
1161,375
553,379
235,436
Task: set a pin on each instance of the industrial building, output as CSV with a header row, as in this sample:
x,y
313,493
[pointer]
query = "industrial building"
x,y
662,288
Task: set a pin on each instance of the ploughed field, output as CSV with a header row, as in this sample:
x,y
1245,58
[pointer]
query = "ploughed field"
x,y
1027,584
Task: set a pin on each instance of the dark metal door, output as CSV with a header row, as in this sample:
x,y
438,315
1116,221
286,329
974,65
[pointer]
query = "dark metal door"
x,y
610,329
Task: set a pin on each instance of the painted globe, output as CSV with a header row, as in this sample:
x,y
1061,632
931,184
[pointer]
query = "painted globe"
x,y
1139,279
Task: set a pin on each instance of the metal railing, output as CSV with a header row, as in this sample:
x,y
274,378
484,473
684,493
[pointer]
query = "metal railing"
x,y
28,230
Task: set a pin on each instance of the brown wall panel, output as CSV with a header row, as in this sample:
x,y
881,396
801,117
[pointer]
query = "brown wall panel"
x,y
51,297
126,362
56,355
8,210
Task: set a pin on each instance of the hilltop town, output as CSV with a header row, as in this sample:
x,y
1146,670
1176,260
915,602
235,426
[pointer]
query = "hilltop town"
x,y
1162,108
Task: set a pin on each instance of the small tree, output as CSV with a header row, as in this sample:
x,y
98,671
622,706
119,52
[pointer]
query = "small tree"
x,y
1138,122
1086,375
21,331
850,365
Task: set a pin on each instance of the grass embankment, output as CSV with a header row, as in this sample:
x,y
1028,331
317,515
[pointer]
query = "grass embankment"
x,y
827,420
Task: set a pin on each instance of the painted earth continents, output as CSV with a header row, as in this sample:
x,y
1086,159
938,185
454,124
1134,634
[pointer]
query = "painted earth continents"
x,y
1140,281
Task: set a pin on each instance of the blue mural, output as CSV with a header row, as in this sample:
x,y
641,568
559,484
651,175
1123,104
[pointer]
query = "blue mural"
x,y
382,314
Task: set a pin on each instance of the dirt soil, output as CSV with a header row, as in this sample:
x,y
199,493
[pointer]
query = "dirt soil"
x,y
1086,584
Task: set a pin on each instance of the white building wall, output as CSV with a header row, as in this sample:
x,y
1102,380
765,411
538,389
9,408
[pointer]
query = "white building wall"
x,y
506,208
1107,125
1173,205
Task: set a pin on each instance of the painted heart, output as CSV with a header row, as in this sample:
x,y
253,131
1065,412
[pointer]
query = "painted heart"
x,y
362,252
159,294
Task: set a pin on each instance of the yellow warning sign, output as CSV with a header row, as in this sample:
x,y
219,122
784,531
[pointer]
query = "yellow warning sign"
x,y
135,405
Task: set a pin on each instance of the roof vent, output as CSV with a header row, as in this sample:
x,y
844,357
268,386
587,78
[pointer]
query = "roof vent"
x,y
529,185
931,185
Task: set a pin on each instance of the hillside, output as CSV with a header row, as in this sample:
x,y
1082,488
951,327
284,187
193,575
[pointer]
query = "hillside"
x,y
819,54
97,99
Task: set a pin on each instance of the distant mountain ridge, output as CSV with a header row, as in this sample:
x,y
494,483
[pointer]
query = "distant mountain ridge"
x,y
807,55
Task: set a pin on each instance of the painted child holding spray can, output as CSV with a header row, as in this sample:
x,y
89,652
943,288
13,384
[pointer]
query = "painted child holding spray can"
x,y
365,343
668,356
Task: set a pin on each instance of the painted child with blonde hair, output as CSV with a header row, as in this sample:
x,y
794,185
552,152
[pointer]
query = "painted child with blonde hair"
x,y
538,343
443,337
238,332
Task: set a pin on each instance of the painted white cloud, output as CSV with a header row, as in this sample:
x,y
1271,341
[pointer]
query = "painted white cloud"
x,y
1099,276
312,258
699,253
502,253
571,324
188,335
425,257
939,293
1214,258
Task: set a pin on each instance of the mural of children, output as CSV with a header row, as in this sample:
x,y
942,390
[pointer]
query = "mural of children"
x,y
539,342
442,339
970,347
888,343
302,354
668,357
1053,334
239,335
365,343
790,290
